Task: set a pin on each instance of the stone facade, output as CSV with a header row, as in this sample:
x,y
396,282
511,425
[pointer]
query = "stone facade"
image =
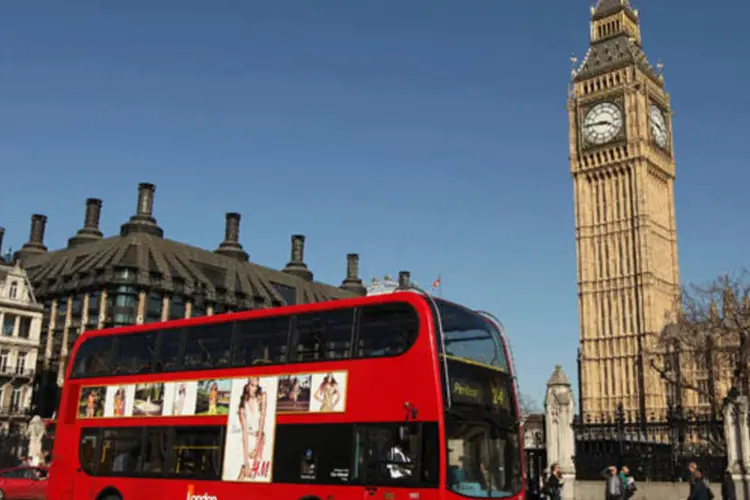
x,y
21,322
623,169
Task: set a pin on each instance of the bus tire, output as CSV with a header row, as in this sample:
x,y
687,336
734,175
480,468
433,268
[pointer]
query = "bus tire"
x,y
310,497
109,494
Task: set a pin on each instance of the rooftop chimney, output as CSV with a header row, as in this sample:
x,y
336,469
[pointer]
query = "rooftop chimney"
x,y
2,233
90,231
35,245
352,282
404,280
296,265
143,221
231,246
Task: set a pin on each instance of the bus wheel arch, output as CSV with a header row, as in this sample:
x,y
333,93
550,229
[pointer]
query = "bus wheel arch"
x,y
309,497
109,493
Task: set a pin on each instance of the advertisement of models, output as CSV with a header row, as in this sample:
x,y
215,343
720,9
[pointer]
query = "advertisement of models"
x,y
251,428
119,401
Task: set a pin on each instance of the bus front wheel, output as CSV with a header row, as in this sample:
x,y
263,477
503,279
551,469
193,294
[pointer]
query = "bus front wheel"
x,y
308,497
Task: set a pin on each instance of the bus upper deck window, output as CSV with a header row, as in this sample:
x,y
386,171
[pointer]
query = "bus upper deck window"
x,y
94,358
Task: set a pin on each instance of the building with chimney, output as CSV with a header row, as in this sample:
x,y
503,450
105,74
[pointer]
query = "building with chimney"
x,y
21,323
139,276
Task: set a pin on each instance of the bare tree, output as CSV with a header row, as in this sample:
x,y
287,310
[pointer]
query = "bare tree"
x,y
707,345
528,404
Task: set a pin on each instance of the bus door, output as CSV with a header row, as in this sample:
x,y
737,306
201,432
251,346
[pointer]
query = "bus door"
x,y
83,462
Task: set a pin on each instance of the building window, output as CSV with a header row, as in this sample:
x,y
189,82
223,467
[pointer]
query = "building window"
x,y
177,307
4,355
62,313
288,293
122,306
703,393
154,307
13,290
24,327
199,307
21,363
15,400
95,303
76,308
9,324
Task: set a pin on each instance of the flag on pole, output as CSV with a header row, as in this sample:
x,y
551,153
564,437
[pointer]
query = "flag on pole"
x,y
436,283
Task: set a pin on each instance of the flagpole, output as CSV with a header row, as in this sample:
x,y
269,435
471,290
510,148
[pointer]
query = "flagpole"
x,y
440,286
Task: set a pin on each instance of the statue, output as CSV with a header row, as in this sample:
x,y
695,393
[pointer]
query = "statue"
x,y
35,432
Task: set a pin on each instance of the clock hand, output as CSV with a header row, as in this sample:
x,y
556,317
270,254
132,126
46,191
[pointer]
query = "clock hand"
x,y
604,122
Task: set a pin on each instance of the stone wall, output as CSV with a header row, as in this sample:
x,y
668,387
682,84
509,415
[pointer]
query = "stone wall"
x,y
594,490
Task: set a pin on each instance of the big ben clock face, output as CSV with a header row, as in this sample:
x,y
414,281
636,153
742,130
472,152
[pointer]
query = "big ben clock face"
x,y
658,125
602,123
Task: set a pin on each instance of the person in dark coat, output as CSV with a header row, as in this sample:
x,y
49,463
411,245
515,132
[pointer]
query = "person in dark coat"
x,y
613,488
554,486
700,490
692,467
728,490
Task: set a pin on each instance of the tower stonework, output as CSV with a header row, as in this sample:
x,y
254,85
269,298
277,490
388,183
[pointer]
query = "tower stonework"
x,y
623,169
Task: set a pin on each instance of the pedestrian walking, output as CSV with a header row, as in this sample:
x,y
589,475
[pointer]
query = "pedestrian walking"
x,y
700,489
613,484
554,485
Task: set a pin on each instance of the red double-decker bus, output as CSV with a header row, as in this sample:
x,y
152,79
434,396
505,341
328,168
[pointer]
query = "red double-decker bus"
x,y
396,396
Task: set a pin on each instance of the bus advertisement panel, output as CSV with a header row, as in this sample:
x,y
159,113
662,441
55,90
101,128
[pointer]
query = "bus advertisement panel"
x,y
348,398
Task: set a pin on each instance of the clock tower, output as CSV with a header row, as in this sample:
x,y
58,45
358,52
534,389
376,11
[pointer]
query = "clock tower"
x,y
623,169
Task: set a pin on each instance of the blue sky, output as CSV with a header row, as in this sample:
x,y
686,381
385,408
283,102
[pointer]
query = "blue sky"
x,y
428,135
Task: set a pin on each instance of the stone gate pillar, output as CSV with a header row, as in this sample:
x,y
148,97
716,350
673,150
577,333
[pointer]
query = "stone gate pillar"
x,y
559,411
737,437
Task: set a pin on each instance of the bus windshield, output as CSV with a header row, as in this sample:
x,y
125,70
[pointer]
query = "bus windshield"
x,y
482,435
469,337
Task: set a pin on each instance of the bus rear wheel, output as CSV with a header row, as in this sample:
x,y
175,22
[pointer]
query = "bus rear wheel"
x,y
107,495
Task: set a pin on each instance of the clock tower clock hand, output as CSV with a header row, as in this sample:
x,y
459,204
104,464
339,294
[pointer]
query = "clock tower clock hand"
x,y
596,124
